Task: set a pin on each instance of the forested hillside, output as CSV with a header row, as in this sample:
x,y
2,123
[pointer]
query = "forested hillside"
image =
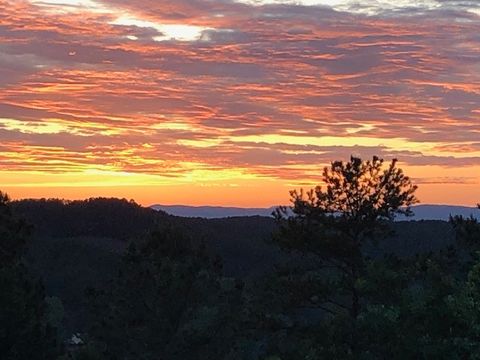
x,y
76,245
327,277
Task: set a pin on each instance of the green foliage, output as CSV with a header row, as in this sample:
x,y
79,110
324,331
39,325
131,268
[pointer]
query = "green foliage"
x,y
89,352
55,314
334,223
168,301
347,289
13,233
467,231
25,332
360,307
100,217
68,266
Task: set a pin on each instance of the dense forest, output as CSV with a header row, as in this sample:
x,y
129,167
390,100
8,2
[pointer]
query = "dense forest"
x,y
333,276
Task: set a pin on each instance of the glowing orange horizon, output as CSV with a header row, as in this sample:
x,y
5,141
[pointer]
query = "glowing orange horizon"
x,y
259,192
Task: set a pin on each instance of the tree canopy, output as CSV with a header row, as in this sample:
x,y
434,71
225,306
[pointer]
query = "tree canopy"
x,y
25,330
341,289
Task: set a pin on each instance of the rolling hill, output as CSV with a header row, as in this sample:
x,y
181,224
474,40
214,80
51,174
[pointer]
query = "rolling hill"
x,y
422,212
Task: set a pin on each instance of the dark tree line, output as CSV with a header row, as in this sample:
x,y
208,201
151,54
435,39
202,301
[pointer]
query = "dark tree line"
x,y
100,217
332,299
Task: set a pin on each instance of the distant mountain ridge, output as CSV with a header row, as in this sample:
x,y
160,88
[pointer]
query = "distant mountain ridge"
x,y
212,212
422,212
441,212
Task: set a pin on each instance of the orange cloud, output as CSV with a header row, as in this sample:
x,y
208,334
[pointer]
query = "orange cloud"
x,y
182,95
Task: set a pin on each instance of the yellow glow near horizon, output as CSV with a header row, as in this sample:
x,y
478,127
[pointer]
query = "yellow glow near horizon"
x,y
236,187
236,102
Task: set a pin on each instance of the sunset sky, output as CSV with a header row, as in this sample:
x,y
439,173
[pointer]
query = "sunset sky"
x,y
224,102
